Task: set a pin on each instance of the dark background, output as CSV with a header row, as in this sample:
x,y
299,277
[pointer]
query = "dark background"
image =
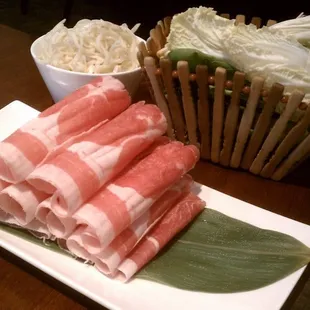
x,y
36,17
39,16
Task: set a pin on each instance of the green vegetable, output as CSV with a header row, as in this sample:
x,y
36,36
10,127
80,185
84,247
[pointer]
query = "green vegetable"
x,y
194,58
200,29
219,254
269,52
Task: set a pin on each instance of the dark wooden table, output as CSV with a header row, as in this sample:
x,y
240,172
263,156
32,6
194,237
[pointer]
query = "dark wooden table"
x,y
24,287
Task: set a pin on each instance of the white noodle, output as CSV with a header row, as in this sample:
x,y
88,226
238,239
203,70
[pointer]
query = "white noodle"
x,y
91,46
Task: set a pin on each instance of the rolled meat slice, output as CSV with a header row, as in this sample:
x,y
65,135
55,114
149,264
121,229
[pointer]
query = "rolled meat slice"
x,y
62,244
80,93
43,210
125,199
3,185
60,227
74,243
35,227
3,216
111,257
159,141
79,171
100,100
21,200
176,219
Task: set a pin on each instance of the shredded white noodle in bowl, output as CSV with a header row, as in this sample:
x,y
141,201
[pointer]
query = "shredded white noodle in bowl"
x,y
91,46
68,58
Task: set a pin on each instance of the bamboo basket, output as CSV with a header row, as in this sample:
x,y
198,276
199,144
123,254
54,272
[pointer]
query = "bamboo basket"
x,y
246,138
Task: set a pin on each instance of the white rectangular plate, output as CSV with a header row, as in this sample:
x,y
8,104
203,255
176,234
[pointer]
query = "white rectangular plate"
x,y
141,294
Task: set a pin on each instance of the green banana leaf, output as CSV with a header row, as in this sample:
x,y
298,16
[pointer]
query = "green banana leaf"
x,y
216,254
219,254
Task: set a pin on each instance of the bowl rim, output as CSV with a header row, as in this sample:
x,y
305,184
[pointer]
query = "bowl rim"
x,y
36,59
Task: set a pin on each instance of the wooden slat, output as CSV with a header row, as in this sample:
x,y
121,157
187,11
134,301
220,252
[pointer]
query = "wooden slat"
x,y
277,131
225,15
262,125
147,82
167,23
156,39
160,35
151,46
162,27
203,111
159,79
231,122
149,64
240,19
299,153
175,106
218,114
188,104
140,59
143,49
271,22
287,144
257,21
299,162
246,121
162,52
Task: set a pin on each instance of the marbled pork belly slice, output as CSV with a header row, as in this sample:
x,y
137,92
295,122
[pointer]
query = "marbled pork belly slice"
x,y
43,210
21,201
35,227
79,170
74,241
126,198
102,99
3,185
176,219
115,253
62,227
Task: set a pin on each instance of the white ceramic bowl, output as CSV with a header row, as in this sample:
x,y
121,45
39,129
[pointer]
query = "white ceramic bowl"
x,y
61,82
